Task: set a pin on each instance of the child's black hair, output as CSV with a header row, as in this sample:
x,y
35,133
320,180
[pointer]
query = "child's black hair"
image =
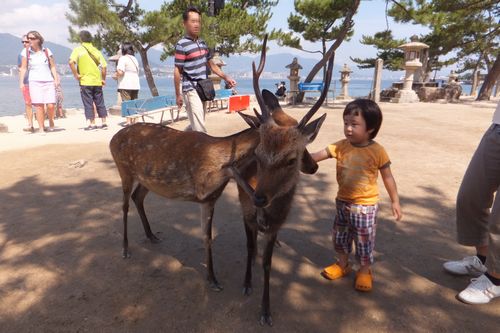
x,y
370,112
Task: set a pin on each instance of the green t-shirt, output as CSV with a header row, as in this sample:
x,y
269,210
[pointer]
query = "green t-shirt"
x,y
87,68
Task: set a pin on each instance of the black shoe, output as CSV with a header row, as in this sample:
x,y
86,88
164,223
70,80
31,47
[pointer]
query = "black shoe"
x,y
90,128
104,126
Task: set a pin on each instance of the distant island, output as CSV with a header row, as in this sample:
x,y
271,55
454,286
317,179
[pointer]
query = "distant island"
x,y
275,63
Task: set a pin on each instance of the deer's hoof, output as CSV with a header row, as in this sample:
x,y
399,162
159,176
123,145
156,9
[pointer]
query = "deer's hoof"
x,y
266,319
247,290
125,254
215,286
154,239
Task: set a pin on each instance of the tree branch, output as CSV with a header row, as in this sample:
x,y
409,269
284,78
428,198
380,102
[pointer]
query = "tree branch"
x,y
125,9
344,30
310,51
402,7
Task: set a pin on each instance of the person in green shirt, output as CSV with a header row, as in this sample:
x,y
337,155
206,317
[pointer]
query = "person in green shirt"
x,y
89,69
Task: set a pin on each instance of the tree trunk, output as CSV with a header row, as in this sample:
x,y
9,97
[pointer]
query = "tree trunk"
x,y
147,71
489,81
346,26
475,79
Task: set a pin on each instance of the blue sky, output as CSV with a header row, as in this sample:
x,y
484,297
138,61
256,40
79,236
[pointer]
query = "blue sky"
x,y
48,18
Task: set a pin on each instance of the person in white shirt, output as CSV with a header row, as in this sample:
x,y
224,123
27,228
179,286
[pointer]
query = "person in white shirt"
x,y
127,73
42,78
478,219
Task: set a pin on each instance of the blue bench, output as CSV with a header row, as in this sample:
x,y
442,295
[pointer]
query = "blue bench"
x,y
311,86
140,108
221,95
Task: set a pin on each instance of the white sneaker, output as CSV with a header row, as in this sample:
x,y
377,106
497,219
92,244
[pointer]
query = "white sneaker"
x,y
480,291
467,266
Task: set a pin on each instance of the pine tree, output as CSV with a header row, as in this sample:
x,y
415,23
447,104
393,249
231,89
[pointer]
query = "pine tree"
x,y
388,51
317,21
238,27
466,27
116,23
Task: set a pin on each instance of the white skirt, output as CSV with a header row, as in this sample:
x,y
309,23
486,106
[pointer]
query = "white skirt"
x,y
42,92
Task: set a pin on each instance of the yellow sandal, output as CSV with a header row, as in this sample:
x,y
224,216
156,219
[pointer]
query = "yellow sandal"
x,y
335,271
364,281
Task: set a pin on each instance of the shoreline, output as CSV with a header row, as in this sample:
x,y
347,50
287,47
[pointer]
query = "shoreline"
x,y
70,130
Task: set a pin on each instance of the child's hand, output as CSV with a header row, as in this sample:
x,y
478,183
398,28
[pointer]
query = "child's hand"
x,y
396,211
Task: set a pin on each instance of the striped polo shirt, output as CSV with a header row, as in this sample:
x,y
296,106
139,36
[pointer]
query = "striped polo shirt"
x,y
191,56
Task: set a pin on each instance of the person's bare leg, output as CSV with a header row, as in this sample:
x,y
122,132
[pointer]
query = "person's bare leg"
x,y
40,117
364,269
29,114
343,259
50,113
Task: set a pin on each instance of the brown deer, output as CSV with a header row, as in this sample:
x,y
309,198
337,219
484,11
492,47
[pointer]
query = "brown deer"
x,y
188,166
272,176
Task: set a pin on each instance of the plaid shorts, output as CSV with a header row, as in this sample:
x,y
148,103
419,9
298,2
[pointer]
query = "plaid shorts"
x,y
355,223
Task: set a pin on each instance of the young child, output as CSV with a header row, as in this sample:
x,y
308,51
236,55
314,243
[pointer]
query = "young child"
x,y
359,160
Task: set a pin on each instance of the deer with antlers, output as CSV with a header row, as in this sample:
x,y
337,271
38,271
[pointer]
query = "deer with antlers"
x,y
272,175
264,160
188,166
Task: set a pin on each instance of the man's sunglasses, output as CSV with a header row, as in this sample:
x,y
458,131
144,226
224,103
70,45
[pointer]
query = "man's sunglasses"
x,y
25,41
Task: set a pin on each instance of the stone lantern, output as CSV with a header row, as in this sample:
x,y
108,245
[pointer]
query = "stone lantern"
x,y
219,63
412,51
294,77
345,77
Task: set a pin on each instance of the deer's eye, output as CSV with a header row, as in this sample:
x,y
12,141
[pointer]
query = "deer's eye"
x,y
291,161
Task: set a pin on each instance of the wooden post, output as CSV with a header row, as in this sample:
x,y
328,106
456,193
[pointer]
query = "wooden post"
x,y
377,77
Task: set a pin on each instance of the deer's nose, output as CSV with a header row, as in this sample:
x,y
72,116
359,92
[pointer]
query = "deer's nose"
x,y
260,201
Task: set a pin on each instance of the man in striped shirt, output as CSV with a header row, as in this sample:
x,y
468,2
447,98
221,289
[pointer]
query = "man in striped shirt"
x,y
192,60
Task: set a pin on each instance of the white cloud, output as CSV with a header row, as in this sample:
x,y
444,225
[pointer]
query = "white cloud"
x,y
10,4
49,20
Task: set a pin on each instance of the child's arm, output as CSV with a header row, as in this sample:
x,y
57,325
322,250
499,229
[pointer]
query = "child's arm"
x,y
320,155
390,186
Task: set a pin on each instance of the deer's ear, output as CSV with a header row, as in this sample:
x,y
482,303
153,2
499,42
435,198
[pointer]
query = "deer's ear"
x,y
310,131
252,121
270,100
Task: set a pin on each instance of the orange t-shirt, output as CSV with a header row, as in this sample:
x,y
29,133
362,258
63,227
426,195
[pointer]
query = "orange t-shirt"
x,y
357,170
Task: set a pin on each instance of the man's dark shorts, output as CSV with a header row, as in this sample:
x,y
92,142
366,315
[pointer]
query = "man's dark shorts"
x,y
91,95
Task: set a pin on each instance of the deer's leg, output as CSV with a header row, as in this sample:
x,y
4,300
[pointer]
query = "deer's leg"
x,y
207,213
127,183
249,218
251,253
265,314
138,196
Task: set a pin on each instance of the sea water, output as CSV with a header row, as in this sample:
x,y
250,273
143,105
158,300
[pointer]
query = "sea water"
x,y
11,100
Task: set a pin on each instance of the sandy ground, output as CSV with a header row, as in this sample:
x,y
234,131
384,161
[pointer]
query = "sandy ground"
x,y
60,239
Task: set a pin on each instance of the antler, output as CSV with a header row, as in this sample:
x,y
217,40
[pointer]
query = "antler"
x,y
321,99
256,75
